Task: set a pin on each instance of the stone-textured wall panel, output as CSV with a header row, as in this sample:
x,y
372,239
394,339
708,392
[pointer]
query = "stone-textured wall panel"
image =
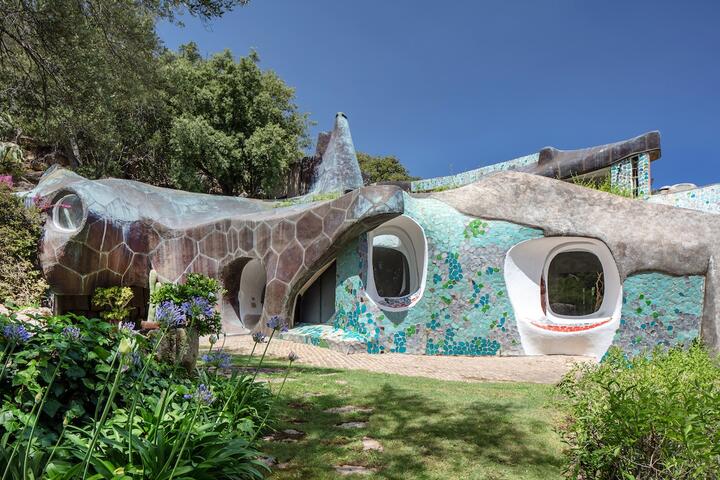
x,y
309,227
290,261
119,259
214,245
113,237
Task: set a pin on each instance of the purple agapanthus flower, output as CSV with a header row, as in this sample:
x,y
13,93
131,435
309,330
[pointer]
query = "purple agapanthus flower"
x,y
128,327
16,333
71,333
276,322
198,307
258,337
202,394
170,315
218,359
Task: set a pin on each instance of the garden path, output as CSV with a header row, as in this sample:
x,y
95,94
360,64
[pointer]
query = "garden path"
x,y
536,369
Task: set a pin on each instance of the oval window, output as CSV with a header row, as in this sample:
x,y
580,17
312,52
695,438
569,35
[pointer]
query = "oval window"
x,y
398,258
575,284
68,213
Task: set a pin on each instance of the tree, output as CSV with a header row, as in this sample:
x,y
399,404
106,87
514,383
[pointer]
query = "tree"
x,y
235,127
383,169
82,77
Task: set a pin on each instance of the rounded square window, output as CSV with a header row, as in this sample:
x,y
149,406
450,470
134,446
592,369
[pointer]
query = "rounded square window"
x,y
575,284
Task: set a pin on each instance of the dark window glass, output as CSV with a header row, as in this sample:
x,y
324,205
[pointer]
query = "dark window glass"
x,y
391,272
575,284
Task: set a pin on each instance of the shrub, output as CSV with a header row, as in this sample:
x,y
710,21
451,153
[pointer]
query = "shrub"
x,y
11,159
84,399
654,417
197,300
21,280
603,184
116,300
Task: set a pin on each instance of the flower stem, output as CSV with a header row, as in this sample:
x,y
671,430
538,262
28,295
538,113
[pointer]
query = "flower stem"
x,y
184,444
98,426
17,443
148,361
6,355
272,405
239,382
37,417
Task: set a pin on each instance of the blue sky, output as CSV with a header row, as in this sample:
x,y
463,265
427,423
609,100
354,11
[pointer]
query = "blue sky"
x,y
450,86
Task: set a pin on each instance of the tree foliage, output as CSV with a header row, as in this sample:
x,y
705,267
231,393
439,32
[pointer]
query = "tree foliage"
x,y
235,127
383,169
91,81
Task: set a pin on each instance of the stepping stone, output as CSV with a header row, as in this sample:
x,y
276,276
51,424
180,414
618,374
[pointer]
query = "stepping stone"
x,y
269,461
283,466
349,409
341,382
348,425
312,394
354,469
371,444
289,435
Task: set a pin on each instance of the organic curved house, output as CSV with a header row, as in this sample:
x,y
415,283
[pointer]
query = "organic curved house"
x,y
503,260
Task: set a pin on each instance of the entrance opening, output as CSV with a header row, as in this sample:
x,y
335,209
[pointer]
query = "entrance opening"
x,y
251,294
316,303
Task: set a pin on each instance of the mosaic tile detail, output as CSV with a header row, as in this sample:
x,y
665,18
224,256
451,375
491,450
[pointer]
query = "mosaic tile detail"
x,y
327,336
644,183
464,310
659,309
621,175
465,178
704,199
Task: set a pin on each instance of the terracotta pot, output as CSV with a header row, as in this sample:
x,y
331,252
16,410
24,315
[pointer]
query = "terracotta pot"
x,y
149,325
180,346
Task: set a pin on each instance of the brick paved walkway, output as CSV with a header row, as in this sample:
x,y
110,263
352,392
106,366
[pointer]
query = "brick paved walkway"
x,y
545,369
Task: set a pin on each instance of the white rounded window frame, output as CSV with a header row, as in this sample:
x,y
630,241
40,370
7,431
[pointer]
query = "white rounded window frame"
x,y
413,245
525,265
584,247
58,210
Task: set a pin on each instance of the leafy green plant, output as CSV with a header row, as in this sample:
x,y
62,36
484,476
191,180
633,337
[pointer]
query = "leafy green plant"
x,y
116,300
21,280
603,184
11,159
650,417
137,418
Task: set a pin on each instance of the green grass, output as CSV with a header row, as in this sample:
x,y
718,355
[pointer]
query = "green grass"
x,y
429,428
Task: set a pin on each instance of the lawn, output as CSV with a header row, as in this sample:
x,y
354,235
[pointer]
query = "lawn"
x,y
427,428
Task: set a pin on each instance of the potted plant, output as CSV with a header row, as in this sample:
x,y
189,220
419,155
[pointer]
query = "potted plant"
x,y
184,313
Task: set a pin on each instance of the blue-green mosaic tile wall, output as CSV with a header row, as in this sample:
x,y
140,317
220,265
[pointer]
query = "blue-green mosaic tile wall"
x,y
464,309
465,178
705,199
659,309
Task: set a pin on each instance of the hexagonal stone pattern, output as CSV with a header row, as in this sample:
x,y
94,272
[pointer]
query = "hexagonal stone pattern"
x,y
132,228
